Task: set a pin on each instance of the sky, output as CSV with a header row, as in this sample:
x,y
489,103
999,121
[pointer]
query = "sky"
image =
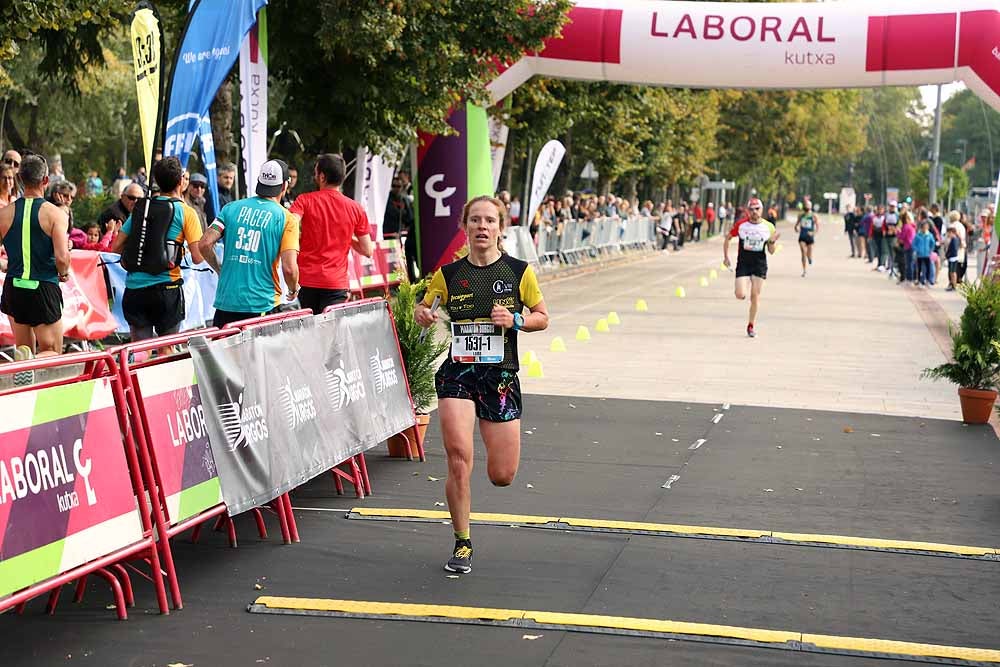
x,y
929,93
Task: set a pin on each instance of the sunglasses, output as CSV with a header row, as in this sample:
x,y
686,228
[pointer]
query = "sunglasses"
x,y
132,198
12,162
197,185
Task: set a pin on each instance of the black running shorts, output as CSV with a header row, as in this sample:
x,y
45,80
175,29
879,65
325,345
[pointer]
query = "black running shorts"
x,y
749,266
160,307
495,391
32,307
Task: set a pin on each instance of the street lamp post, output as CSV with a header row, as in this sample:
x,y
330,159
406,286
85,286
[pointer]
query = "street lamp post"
x,y
964,143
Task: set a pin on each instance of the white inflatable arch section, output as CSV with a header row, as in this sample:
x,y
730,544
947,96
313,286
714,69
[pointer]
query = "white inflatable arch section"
x,y
846,44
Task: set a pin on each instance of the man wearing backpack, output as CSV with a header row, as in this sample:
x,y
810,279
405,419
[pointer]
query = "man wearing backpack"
x,y
152,245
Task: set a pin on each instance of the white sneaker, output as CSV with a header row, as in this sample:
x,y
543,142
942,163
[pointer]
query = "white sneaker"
x,y
881,269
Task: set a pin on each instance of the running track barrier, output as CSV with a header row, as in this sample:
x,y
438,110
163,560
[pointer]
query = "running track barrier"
x,y
99,470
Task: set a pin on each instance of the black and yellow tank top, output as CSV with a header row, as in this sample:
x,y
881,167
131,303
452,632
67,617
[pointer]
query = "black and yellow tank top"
x,y
30,256
469,292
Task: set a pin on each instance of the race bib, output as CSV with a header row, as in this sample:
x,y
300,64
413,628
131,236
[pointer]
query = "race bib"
x,y
476,343
753,244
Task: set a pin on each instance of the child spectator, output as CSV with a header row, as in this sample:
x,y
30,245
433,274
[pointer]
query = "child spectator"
x,y
953,248
923,246
89,238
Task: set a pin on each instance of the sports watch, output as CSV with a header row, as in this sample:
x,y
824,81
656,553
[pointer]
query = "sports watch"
x,y
518,321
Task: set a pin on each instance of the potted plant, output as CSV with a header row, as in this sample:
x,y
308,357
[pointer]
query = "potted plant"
x,y
975,364
420,354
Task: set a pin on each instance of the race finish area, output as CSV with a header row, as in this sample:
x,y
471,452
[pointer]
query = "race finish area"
x,y
691,488
816,528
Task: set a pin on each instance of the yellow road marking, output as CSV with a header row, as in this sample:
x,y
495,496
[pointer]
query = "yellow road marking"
x,y
677,529
663,528
885,544
776,638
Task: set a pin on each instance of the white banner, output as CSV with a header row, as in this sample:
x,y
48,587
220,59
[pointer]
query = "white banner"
x,y
549,159
253,100
372,180
772,45
498,147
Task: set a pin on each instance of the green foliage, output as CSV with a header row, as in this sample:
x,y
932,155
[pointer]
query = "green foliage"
x,y
966,116
975,354
88,209
920,183
420,358
73,33
376,71
895,140
90,127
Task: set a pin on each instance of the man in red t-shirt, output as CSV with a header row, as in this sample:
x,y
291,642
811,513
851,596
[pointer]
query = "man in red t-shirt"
x,y
332,224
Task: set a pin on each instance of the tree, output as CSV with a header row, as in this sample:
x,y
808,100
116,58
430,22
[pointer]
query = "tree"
x,y
965,117
382,70
73,33
920,183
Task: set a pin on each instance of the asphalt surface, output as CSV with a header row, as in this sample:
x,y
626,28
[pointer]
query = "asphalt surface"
x,y
758,468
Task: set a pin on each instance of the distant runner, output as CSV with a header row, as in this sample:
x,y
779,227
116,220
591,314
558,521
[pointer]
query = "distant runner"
x,y
755,235
807,226
484,294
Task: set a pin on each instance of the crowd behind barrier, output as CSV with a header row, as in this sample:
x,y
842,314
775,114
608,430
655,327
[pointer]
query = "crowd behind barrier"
x,y
580,241
106,467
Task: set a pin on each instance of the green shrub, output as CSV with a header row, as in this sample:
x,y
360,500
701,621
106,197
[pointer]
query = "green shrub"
x,y
420,358
975,354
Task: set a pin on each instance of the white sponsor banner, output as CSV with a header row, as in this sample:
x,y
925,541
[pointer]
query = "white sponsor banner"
x,y
498,147
253,102
372,181
549,159
772,45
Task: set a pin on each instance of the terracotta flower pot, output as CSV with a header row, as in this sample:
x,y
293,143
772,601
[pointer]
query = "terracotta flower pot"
x,y
976,404
398,443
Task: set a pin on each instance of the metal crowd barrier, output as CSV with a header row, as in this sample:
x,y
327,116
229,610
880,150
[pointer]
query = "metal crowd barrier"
x,y
579,242
86,498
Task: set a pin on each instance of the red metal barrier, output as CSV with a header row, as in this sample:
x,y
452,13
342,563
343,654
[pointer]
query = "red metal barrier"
x,y
97,366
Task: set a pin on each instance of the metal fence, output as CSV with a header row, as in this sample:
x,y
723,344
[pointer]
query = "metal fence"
x,y
581,241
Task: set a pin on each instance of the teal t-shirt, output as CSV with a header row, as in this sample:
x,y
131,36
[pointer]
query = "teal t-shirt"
x,y
255,231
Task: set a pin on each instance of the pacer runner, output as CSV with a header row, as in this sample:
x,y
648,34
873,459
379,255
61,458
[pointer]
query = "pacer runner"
x,y
484,294
755,235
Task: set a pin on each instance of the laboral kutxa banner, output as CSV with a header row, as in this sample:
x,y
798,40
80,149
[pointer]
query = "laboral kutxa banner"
x,y
65,493
287,402
178,434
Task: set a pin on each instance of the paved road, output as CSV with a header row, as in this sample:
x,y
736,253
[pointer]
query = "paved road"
x,y
843,338
673,473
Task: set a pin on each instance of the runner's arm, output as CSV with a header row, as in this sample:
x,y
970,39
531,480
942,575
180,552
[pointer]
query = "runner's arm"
x,y
771,241
290,269
725,250
537,319
206,246
363,245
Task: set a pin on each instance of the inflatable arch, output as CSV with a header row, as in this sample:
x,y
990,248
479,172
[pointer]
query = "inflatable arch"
x,y
717,45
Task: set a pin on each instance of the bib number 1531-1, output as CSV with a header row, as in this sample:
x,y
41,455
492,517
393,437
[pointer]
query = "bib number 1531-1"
x,y
476,343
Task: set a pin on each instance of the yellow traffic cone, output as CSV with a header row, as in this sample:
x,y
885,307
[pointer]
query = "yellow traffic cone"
x,y
602,326
535,369
613,318
582,333
640,306
679,292
558,345
703,281
528,358
713,274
